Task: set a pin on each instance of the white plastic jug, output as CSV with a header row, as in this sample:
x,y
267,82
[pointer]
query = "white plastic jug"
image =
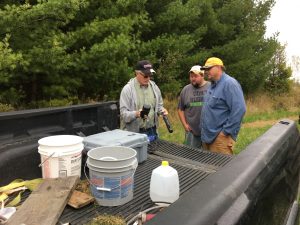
x,y
164,184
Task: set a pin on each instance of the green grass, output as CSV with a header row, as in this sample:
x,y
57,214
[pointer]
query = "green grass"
x,y
275,115
177,136
247,134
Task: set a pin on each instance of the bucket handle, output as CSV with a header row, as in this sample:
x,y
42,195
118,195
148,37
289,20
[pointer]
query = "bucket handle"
x,y
104,188
46,159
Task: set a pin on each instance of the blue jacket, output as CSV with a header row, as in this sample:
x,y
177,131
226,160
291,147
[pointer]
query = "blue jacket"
x,y
223,110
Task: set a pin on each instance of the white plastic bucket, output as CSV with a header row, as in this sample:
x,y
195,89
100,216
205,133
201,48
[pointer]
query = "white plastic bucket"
x,y
111,172
61,155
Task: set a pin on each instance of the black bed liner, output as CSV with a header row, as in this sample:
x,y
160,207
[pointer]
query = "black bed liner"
x,y
190,173
193,165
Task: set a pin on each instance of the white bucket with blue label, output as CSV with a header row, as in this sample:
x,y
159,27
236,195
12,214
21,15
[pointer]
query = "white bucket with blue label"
x,y
111,174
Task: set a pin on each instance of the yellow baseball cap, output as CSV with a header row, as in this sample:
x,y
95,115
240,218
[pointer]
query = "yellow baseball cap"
x,y
213,61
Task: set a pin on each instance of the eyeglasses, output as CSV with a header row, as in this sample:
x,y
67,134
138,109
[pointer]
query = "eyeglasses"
x,y
208,69
145,75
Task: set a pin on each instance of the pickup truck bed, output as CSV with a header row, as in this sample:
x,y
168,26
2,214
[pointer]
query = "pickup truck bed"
x,y
190,173
258,186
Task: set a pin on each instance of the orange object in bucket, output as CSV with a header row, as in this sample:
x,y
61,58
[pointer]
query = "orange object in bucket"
x,y
60,155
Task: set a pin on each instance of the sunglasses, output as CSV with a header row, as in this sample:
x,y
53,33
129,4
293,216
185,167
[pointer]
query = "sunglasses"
x,y
208,69
145,75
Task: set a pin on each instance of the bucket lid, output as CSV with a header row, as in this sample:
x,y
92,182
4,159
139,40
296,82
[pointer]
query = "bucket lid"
x,y
60,140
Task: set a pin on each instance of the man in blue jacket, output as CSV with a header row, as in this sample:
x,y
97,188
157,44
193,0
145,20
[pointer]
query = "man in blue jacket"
x,y
223,110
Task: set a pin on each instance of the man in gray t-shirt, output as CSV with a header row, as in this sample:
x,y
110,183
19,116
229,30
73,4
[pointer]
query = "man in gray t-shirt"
x,y
190,105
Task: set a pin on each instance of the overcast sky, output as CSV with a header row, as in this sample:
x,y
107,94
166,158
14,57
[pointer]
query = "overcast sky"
x,y
284,19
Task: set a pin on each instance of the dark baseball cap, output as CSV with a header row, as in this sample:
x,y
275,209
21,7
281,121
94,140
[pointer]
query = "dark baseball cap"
x,y
145,66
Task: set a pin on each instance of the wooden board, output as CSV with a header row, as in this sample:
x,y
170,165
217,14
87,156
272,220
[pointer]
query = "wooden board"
x,y
45,205
79,199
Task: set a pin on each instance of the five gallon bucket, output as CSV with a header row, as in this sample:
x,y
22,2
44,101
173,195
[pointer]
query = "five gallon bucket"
x,y
60,155
111,172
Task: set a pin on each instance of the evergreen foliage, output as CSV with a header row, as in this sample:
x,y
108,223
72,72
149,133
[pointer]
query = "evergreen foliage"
x,y
54,51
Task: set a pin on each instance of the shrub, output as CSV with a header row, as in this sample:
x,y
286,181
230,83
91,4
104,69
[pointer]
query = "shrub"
x,y
6,107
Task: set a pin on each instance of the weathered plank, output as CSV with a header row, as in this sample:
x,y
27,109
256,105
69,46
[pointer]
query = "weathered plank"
x,y
45,205
79,199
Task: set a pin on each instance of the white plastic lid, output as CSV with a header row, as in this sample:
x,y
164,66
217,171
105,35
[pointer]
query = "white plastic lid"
x,y
60,140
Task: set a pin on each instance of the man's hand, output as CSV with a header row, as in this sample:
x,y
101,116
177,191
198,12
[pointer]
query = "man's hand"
x,y
187,128
185,125
138,114
164,112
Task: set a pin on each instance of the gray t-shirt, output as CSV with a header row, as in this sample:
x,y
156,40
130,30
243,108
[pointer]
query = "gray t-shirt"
x,y
191,101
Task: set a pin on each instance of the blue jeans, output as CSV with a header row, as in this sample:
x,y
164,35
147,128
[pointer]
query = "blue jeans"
x,y
151,133
192,140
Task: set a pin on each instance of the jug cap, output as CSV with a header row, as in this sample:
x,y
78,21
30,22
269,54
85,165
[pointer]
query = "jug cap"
x,y
164,163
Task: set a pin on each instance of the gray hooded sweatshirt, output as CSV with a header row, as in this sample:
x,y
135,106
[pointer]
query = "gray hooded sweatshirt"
x,y
128,106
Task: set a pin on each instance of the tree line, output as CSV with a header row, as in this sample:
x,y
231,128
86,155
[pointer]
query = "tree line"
x,y
74,50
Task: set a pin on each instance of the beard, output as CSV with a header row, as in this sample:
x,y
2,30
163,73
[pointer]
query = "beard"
x,y
195,85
